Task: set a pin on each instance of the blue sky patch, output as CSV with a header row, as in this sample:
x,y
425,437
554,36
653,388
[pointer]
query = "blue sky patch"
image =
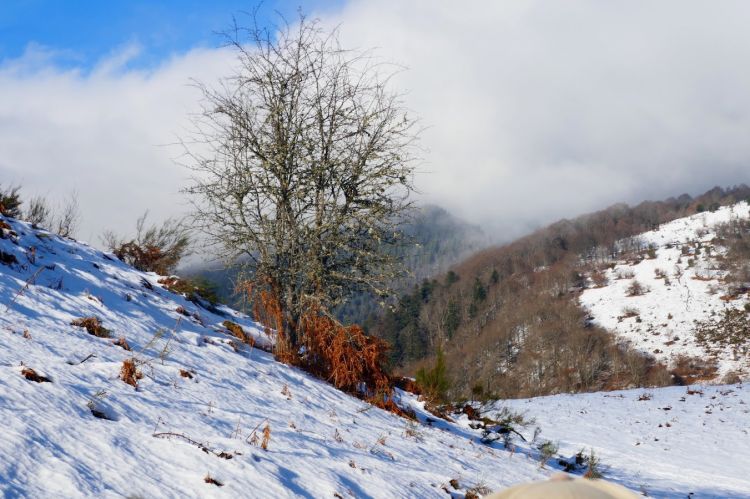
x,y
81,33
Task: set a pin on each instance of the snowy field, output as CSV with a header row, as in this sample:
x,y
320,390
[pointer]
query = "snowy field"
x,y
322,442
661,321
195,425
675,442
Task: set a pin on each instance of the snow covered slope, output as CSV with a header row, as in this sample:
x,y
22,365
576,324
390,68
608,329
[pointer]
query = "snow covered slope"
x,y
201,407
667,442
198,416
661,321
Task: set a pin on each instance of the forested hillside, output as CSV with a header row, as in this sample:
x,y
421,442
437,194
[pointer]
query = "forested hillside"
x,y
434,239
509,320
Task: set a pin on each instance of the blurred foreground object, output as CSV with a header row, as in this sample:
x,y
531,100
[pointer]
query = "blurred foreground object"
x,y
565,487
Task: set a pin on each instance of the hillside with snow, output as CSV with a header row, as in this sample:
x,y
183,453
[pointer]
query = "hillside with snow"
x,y
212,416
681,283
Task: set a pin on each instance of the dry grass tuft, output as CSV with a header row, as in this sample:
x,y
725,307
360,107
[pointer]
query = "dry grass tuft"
x,y
93,325
407,385
129,373
239,333
32,375
209,479
285,391
266,436
690,370
7,258
122,343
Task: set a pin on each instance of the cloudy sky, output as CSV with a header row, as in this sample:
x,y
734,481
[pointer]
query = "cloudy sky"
x,y
536,110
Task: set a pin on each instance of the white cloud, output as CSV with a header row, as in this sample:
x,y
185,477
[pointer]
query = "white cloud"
x,y
103,133
543,109
536,110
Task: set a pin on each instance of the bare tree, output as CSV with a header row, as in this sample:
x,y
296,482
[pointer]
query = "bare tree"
x,y
304,162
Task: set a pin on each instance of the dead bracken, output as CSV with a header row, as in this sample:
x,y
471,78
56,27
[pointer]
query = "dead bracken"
x,y
32,375
122,343
238,332
93,325
129,373
212,481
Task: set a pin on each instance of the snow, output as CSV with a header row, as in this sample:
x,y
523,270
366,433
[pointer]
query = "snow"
x,y
323,442
165,437
695,295
680,441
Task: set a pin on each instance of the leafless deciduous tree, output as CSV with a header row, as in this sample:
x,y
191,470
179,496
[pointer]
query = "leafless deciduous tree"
x,y
303,163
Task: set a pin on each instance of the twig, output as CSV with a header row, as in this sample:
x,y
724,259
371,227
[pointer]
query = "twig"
x,y
29,281
89,356
203,447
253,437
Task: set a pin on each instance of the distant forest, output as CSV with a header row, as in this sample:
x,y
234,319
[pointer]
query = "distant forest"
x,y
508,318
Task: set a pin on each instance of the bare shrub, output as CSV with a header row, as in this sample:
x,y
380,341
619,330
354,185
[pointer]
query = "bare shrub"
x,y
94,405
154,249
477,491
628,312
66,223
412,430
599,279
38,213
636,289
624,274
10,201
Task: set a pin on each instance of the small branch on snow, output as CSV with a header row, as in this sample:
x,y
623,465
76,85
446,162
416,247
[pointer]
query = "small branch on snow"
x,y
201,446
89,356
